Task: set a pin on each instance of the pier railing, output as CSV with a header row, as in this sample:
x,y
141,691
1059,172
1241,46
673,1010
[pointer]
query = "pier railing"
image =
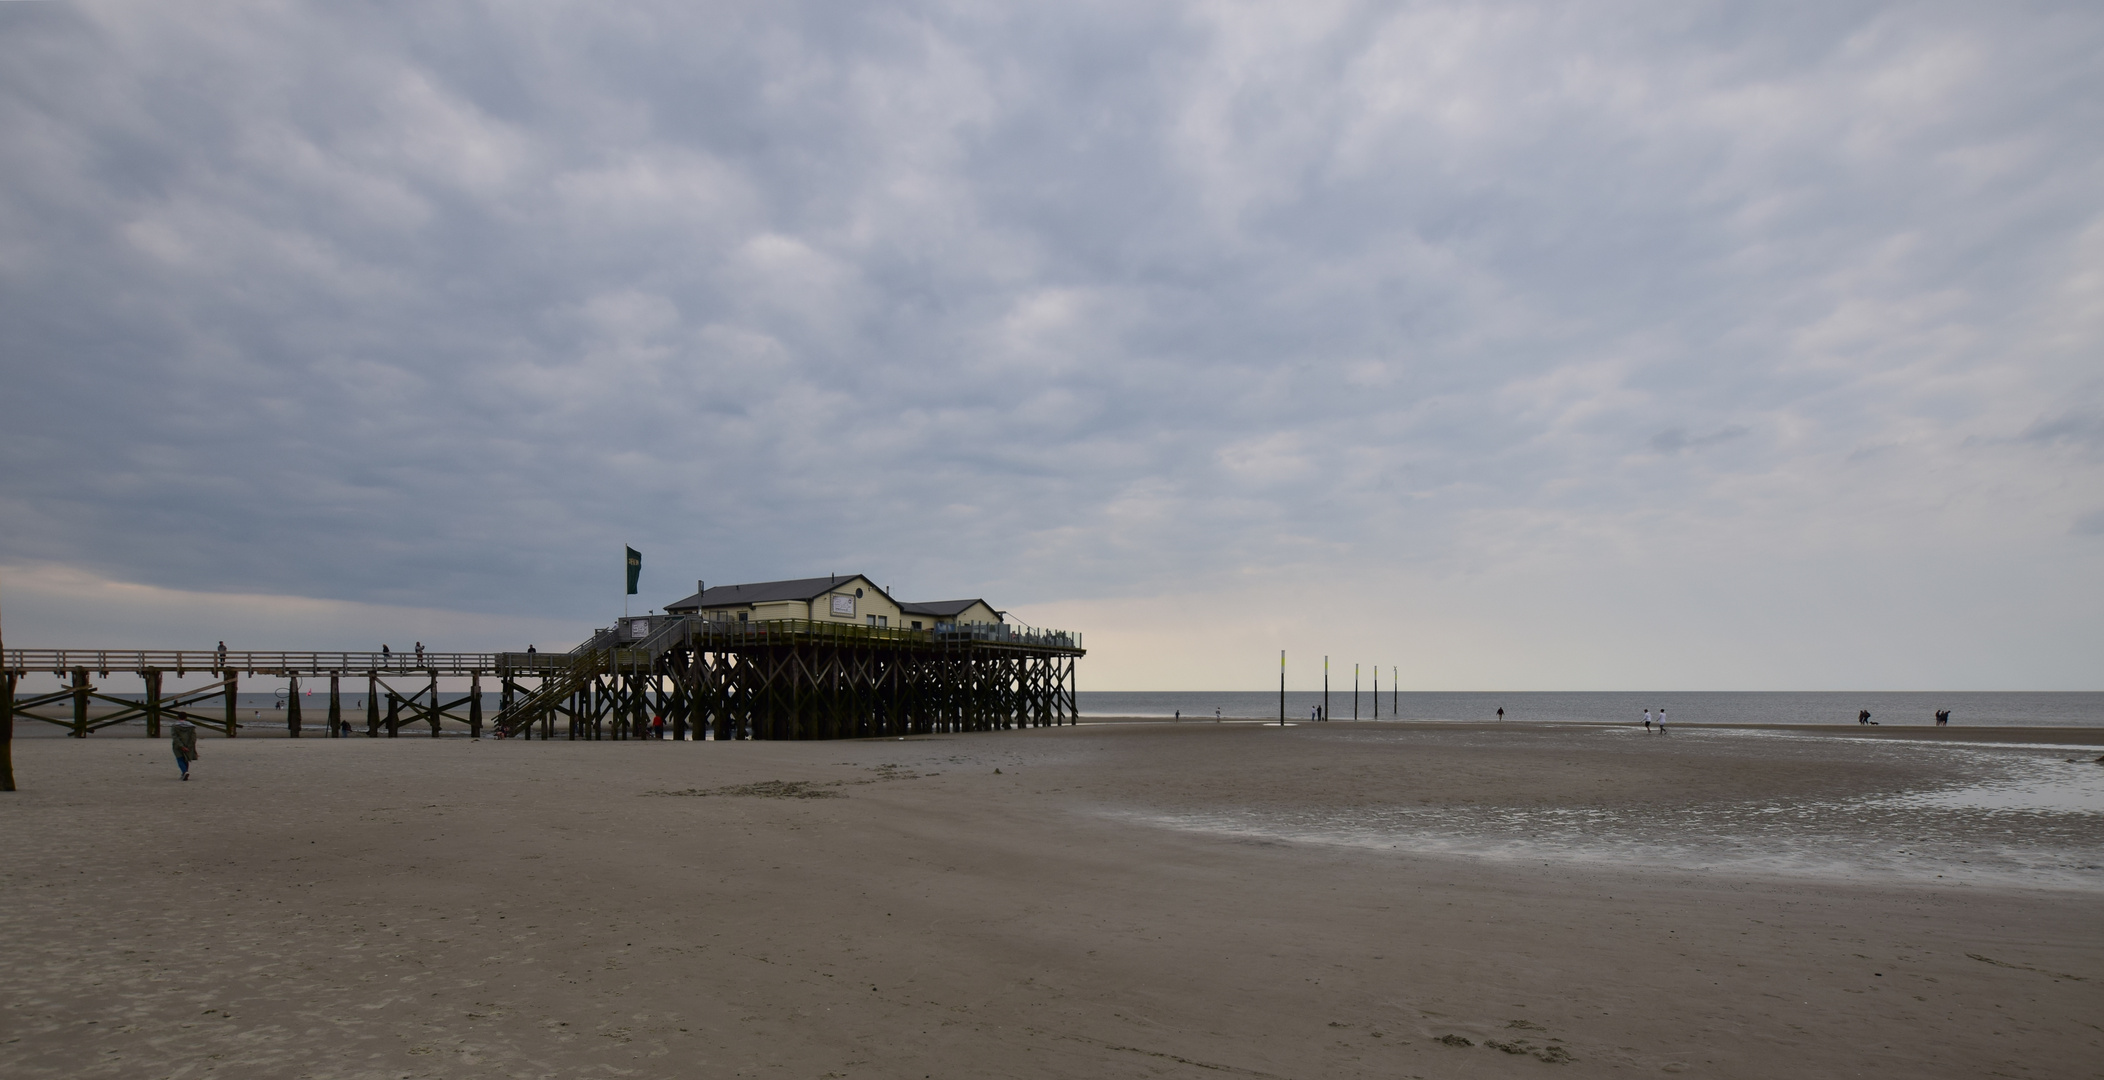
x,y
183,661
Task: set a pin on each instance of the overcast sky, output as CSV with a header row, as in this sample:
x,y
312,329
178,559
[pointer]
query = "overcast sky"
x,y
1611,345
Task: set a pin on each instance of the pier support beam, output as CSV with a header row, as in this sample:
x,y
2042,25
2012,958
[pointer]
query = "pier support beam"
x,y
80,703
292,706
153,702
7,731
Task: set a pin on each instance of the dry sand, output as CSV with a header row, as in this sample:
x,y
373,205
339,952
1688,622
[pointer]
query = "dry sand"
x,y
1116,900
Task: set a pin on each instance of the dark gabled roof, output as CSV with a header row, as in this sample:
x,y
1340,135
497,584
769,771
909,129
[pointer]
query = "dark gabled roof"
x,y
943,609
761,592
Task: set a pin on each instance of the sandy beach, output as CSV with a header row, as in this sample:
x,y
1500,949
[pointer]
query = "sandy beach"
x,y
1140,900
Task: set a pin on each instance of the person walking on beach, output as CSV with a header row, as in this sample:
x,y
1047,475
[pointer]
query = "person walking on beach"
x,y
1501,713
1216,714
1647,719
183,739
657,728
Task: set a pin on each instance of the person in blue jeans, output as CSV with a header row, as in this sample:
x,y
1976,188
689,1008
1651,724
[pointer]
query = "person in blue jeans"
x,y
183,737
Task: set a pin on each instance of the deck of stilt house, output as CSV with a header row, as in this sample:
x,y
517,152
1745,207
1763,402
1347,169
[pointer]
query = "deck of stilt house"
x,y
706,677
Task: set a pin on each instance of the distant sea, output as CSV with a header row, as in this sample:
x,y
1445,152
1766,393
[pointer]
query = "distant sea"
x,y
1976,708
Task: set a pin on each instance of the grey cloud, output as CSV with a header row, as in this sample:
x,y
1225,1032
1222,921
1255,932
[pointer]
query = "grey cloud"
x,y
2082,431
440,304
1675,440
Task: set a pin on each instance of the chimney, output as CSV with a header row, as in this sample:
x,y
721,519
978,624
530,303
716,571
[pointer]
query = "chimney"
x,y
700,586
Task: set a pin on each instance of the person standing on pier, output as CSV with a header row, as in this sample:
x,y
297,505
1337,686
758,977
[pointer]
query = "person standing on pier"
x,y
183,738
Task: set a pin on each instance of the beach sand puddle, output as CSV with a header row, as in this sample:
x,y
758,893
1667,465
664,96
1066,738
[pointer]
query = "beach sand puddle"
x,y
2026,817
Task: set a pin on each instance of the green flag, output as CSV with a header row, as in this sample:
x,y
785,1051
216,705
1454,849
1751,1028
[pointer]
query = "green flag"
x,y
635,569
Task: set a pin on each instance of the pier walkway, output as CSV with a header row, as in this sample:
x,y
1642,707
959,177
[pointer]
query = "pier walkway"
x,y
713,678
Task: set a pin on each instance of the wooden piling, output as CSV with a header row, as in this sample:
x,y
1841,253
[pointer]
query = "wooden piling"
x,y
372,705
336,730
7,729
475,706
153,702
80,703
292,705
233,688
434,703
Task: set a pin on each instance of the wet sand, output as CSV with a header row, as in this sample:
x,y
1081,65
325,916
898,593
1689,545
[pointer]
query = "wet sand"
x,y
1117,900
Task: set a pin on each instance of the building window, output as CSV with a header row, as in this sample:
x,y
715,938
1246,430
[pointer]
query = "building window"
x,y
872,620
742,615
884,620
916,624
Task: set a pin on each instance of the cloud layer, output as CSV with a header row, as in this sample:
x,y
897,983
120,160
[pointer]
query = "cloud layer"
x,y
1770,334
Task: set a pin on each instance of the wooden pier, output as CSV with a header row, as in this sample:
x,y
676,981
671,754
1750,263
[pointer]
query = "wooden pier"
x,y
711,678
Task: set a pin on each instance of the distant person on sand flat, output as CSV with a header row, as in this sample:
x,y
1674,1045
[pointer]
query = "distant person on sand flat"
x,y
182,738
1501,712
657,727
1647,719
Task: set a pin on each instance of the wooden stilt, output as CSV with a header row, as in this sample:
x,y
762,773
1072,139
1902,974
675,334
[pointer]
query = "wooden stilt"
x,y
336,730
292,705
7,729
475,706
394,715
372,705
153,702
80,703
434,704
233,695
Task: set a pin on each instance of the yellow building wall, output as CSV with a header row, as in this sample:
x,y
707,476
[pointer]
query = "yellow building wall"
x,y
978,613
871,602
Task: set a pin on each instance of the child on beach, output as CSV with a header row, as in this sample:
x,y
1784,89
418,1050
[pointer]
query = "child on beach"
x,y
183,737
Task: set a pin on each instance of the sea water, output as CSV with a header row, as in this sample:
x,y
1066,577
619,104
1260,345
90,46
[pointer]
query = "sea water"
x,y
1910,707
